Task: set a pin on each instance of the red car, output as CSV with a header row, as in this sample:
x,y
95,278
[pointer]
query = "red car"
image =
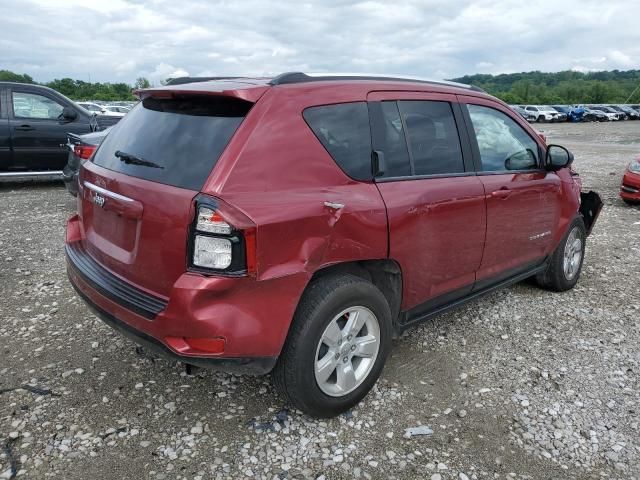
x,y
630,188
298,223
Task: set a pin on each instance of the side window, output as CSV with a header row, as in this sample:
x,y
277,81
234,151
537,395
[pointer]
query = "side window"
x,y
503,144
31,105
343,129
393,142
432,136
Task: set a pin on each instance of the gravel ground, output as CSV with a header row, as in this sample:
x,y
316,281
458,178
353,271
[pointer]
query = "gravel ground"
x,y
521,384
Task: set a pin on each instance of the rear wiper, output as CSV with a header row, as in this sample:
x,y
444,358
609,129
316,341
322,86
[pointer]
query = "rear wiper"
x,y
130,159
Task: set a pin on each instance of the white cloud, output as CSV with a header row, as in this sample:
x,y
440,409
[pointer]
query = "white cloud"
x,y
119,40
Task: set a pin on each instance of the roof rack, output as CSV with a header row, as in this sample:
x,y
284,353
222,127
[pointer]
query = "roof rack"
x,y
300,77
183,80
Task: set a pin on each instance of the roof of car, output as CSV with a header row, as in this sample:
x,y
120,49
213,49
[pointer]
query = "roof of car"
x,y
252,88
290,78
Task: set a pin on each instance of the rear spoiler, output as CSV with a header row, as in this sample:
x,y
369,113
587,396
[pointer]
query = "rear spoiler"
x,y
249,90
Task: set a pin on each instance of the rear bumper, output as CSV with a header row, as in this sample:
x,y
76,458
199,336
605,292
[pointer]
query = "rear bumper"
x,y
249,318
246,365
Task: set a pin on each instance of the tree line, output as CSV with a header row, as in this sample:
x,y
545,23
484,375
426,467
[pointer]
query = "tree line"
x,y
81,90
567,87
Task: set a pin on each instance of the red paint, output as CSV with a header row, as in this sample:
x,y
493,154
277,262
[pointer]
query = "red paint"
x,y
631,180
272,181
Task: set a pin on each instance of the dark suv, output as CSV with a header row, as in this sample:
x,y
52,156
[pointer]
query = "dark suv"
x,y
34,124
296,224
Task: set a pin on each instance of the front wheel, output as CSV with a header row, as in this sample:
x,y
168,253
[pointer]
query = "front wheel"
x,y
337,345
565,264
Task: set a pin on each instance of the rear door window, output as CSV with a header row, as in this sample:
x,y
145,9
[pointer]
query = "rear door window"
x,y
432,135
174,141
343,129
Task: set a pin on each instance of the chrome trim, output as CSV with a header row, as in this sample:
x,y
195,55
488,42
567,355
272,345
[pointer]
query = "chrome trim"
x,y
44,173
108,193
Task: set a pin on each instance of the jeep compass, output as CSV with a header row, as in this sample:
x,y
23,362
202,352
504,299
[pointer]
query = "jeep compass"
x,y
295,224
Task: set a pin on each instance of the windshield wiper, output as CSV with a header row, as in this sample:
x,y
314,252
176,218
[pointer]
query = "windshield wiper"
x,y
130,159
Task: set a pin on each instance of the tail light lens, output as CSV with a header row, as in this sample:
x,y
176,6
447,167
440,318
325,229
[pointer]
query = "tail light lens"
x,y
84,151
222,239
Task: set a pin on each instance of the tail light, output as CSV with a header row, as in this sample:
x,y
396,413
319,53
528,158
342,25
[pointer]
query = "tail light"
x,y
84,151
222,239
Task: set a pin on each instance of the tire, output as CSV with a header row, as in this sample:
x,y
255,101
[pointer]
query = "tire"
x,y
539,119
633,203
298,375
563,273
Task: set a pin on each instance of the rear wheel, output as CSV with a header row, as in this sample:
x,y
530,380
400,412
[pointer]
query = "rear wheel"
x,y
565,264
337,346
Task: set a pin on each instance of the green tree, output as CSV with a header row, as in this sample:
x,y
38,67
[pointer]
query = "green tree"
x,y
141,83
7,76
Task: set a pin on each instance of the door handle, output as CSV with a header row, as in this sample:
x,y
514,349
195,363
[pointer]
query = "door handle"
x,y
502,193
24,128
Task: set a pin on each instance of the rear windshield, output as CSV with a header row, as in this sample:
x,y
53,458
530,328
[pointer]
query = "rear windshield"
x,y
175,141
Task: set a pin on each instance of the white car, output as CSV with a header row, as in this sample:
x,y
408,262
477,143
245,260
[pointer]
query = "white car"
x,y
114,109
544,113
611,114
99,109
92,107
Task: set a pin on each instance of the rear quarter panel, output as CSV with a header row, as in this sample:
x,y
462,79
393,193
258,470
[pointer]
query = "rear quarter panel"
x,y
279,174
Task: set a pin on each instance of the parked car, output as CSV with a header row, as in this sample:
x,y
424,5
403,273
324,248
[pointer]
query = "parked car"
x,y
81,148
528,116
591,115
34,122
572,114
622,115
115,110
630,187
294,224
611,114
93,107
545,113
628,111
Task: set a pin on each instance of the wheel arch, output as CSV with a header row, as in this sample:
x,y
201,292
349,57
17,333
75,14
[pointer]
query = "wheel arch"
x,y
385,274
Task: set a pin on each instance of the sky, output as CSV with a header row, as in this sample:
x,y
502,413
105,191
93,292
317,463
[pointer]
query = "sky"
x,y
120,40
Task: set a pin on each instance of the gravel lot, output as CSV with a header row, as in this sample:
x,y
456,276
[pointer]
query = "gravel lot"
x,y
521,384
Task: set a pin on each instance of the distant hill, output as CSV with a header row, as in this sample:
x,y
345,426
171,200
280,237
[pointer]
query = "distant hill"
x,y
567,87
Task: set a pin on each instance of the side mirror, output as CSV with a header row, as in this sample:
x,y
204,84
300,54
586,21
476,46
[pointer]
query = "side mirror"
x,y
557,157
69,114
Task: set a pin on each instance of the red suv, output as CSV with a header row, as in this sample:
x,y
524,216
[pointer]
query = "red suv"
x,y
296,224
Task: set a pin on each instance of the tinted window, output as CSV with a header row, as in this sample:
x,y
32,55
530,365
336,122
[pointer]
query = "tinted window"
x,y
503,144
393,143
179,140
432,136
32,105
344,131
